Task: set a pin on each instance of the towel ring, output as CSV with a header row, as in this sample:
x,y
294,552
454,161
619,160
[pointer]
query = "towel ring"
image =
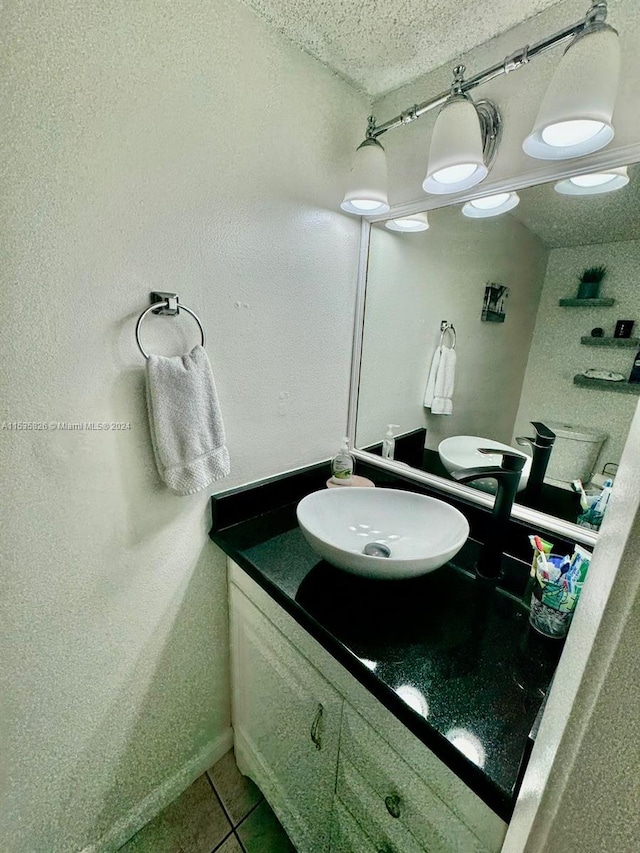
x,y
166,306
444,328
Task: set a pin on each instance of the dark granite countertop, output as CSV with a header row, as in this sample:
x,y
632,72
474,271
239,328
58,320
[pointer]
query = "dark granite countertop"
x,y
453,658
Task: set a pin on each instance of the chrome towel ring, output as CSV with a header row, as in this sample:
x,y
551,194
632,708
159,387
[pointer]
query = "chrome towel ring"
x,y
168,304
444,328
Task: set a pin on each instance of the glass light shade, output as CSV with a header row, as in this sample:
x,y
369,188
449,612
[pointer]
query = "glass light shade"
x,y
456,160
367,186
491,205
575,116
594,183
410,224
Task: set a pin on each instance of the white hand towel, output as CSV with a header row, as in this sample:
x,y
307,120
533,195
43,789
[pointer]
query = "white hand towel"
x,y
186,424
442,403
431,381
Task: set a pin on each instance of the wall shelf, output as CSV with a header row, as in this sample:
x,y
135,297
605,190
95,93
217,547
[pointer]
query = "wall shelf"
x,y
587,340
607,385
586,303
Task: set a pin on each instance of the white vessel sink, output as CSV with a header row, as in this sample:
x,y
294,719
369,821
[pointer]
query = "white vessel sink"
x,y
419,533
460,452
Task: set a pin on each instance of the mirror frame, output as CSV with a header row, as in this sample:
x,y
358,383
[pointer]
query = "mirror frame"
x,y
548,172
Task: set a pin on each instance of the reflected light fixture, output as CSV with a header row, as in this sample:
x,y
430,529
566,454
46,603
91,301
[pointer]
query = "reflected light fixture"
x,y
574,119
463,142
414,698
594,183
491,205
410,224
468,744
575,116
367,188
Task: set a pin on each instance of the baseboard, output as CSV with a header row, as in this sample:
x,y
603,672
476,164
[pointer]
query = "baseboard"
x,y
164,794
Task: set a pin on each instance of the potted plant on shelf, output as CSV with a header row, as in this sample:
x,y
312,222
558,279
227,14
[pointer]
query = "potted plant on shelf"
x,y
590,282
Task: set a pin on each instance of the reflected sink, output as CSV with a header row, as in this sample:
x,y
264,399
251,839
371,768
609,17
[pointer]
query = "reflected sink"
x,y
460,452
381,533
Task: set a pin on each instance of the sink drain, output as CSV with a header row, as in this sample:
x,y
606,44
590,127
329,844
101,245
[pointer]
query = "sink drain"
x,y
376,549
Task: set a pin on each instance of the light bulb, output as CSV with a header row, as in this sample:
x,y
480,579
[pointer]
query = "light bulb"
x,y
565,133
597,179
490,205
490,201
411,223
594,183
454,174
366,204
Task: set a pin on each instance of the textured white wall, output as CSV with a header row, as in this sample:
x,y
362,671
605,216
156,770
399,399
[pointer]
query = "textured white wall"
x,y
417,280
557,355
148,145
517,95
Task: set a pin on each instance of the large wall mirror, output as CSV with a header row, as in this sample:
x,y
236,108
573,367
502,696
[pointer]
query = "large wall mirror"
x,y
542,304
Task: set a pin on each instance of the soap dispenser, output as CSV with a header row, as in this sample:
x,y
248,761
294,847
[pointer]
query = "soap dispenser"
x,y
389,443
342,466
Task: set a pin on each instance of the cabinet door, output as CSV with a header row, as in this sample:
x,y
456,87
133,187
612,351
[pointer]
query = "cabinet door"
x,y
286,720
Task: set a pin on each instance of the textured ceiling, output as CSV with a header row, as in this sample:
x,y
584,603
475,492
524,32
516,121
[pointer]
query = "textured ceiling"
x,y
379,45
561,220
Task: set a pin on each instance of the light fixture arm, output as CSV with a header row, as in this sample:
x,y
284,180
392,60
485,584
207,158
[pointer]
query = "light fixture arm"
x,y
596,15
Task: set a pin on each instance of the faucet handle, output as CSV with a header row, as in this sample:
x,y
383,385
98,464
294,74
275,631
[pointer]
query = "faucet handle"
x,y
524,441
545,437
510,461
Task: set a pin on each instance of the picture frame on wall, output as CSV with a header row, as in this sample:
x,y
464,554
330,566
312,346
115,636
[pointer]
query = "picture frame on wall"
x,y
494,305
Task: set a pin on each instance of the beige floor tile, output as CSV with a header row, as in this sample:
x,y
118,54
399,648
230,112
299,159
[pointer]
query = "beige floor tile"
x,y
237,792
193,823
261,832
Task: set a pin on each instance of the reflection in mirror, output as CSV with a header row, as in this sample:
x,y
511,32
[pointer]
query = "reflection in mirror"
x,y
512,323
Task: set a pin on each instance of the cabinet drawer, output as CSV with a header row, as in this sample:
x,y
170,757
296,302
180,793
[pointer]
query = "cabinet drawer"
x,y
348,837
399,798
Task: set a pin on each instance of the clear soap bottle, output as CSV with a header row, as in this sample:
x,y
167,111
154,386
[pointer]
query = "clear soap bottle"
x,y
389,443
342,466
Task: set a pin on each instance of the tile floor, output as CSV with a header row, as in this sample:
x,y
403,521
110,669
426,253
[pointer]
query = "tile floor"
x,y
222,811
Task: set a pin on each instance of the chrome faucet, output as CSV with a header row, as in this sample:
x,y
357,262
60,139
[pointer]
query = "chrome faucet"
x,y
542,445
507,477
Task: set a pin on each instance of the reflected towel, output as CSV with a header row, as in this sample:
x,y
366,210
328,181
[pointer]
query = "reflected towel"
x,y
431,381
441,382
187,431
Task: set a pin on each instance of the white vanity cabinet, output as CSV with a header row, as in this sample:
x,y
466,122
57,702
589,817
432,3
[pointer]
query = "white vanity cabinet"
x,y
340,771
286,721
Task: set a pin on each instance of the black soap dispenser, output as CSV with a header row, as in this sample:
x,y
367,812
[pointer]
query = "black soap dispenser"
x,y
635,370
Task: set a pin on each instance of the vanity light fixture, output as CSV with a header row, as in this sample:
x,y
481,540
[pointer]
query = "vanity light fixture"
x,y
410,224
490,205
367,188
463,142
575,117
594,183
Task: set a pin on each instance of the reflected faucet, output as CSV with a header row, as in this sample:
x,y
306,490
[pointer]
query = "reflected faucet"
x,y
507,477
541,445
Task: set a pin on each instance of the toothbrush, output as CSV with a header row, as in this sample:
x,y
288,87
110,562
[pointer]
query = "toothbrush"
x,y
578,487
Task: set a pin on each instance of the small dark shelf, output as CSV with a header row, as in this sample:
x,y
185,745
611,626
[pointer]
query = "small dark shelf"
x,y
586,303
610,342
607,385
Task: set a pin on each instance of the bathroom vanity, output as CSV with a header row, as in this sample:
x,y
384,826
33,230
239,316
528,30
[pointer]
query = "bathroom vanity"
x,y
375,716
